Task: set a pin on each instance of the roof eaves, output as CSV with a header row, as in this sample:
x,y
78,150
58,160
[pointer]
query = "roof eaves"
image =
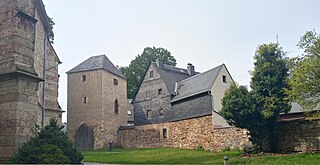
x,y
197,75
134,97
220,67
43,16
194,94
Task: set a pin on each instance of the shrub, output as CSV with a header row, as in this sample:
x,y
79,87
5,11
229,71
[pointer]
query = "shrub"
x,y
226,149
50,145
200,148
250,150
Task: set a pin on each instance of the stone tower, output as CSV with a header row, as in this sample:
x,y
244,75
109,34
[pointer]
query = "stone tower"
x,y
24,31
97,103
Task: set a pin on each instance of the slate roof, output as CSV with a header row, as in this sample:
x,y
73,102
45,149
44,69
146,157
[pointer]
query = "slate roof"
x,y
170,75
197,84
97,62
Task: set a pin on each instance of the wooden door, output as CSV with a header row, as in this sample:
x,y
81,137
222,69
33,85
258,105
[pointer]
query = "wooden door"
x,y
84,137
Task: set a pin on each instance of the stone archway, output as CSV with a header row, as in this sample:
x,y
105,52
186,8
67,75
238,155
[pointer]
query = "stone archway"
x,y
84,137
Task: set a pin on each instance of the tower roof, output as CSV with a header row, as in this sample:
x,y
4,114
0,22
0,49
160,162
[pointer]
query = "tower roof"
x,y
97,62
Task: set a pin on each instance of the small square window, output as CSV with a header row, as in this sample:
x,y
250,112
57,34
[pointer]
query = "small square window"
x,y
160,91
129,113
164,133
84,78
161,112
84,100
115,82
224,78
148,113
151,74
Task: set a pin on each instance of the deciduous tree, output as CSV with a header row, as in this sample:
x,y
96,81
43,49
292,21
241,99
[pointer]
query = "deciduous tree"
x,y
305,74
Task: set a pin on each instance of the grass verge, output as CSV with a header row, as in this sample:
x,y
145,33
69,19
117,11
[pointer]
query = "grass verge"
x,y
185,156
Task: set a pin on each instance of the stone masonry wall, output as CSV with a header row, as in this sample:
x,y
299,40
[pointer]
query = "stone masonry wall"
x,y
98,111
293,136
20,26
298,136
18,79
188,134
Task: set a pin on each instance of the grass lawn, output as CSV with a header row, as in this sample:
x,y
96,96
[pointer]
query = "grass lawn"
x,y
184,156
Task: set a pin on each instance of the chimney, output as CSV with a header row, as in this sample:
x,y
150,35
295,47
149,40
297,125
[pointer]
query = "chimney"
x,y
159,63
190,69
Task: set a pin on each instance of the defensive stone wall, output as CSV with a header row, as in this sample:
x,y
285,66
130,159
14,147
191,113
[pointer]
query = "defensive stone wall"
x,y
292,136
298,136
188,134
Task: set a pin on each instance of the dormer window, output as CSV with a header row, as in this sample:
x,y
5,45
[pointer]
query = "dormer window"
x,y
151,74
224,79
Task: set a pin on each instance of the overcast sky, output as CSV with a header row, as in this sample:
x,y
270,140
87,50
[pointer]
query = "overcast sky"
x,y
205,33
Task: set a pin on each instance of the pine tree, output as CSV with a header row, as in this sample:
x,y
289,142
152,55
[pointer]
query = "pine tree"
x,y
49,146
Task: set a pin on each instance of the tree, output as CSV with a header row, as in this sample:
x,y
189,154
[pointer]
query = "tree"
x,y
238,108
49,146
137,67
259,109
305,74
268,84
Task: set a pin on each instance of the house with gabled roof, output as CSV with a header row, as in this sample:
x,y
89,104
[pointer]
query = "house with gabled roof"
x,y
169,93
97,103
179,108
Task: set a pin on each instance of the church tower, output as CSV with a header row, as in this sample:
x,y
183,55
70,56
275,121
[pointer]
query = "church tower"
x,y
25,51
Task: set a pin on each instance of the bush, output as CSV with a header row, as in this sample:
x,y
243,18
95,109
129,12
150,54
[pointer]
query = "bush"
x,y
251,150
200,148
224,149
50,145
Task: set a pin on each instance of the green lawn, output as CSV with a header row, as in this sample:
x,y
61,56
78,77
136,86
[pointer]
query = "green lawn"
x,y
183,156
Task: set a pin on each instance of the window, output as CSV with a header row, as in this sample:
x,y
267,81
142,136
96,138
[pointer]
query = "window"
x,y
84,100
151,74
160,91
164,133
161,112
148,113
115,82
84,78
116,107
224,78
129,113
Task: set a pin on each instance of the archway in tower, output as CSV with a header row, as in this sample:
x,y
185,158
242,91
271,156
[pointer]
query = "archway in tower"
x,y
84,137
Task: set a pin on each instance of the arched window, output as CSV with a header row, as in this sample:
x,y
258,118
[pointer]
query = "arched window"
x,y
116,107
151,74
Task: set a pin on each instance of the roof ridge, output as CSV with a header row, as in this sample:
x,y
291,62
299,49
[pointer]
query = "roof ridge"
x,y
197,75
97,62
169,65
